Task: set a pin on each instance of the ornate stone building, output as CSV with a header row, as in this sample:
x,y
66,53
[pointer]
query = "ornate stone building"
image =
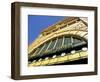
x,y
61,44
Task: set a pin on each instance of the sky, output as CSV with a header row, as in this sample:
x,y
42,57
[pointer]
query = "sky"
x,y
37,23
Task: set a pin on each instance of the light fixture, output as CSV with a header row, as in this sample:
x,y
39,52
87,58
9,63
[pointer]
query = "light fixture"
x,y
29,62
63,54
34,61
54,56
46,58
73,51
84,48
40,59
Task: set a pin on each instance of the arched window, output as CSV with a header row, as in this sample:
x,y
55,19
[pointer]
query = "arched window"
x,y
58,45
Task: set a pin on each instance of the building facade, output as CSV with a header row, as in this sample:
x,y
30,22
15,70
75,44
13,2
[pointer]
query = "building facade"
x,y
63,43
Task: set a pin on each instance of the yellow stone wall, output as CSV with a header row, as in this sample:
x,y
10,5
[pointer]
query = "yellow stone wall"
x,y
61,59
